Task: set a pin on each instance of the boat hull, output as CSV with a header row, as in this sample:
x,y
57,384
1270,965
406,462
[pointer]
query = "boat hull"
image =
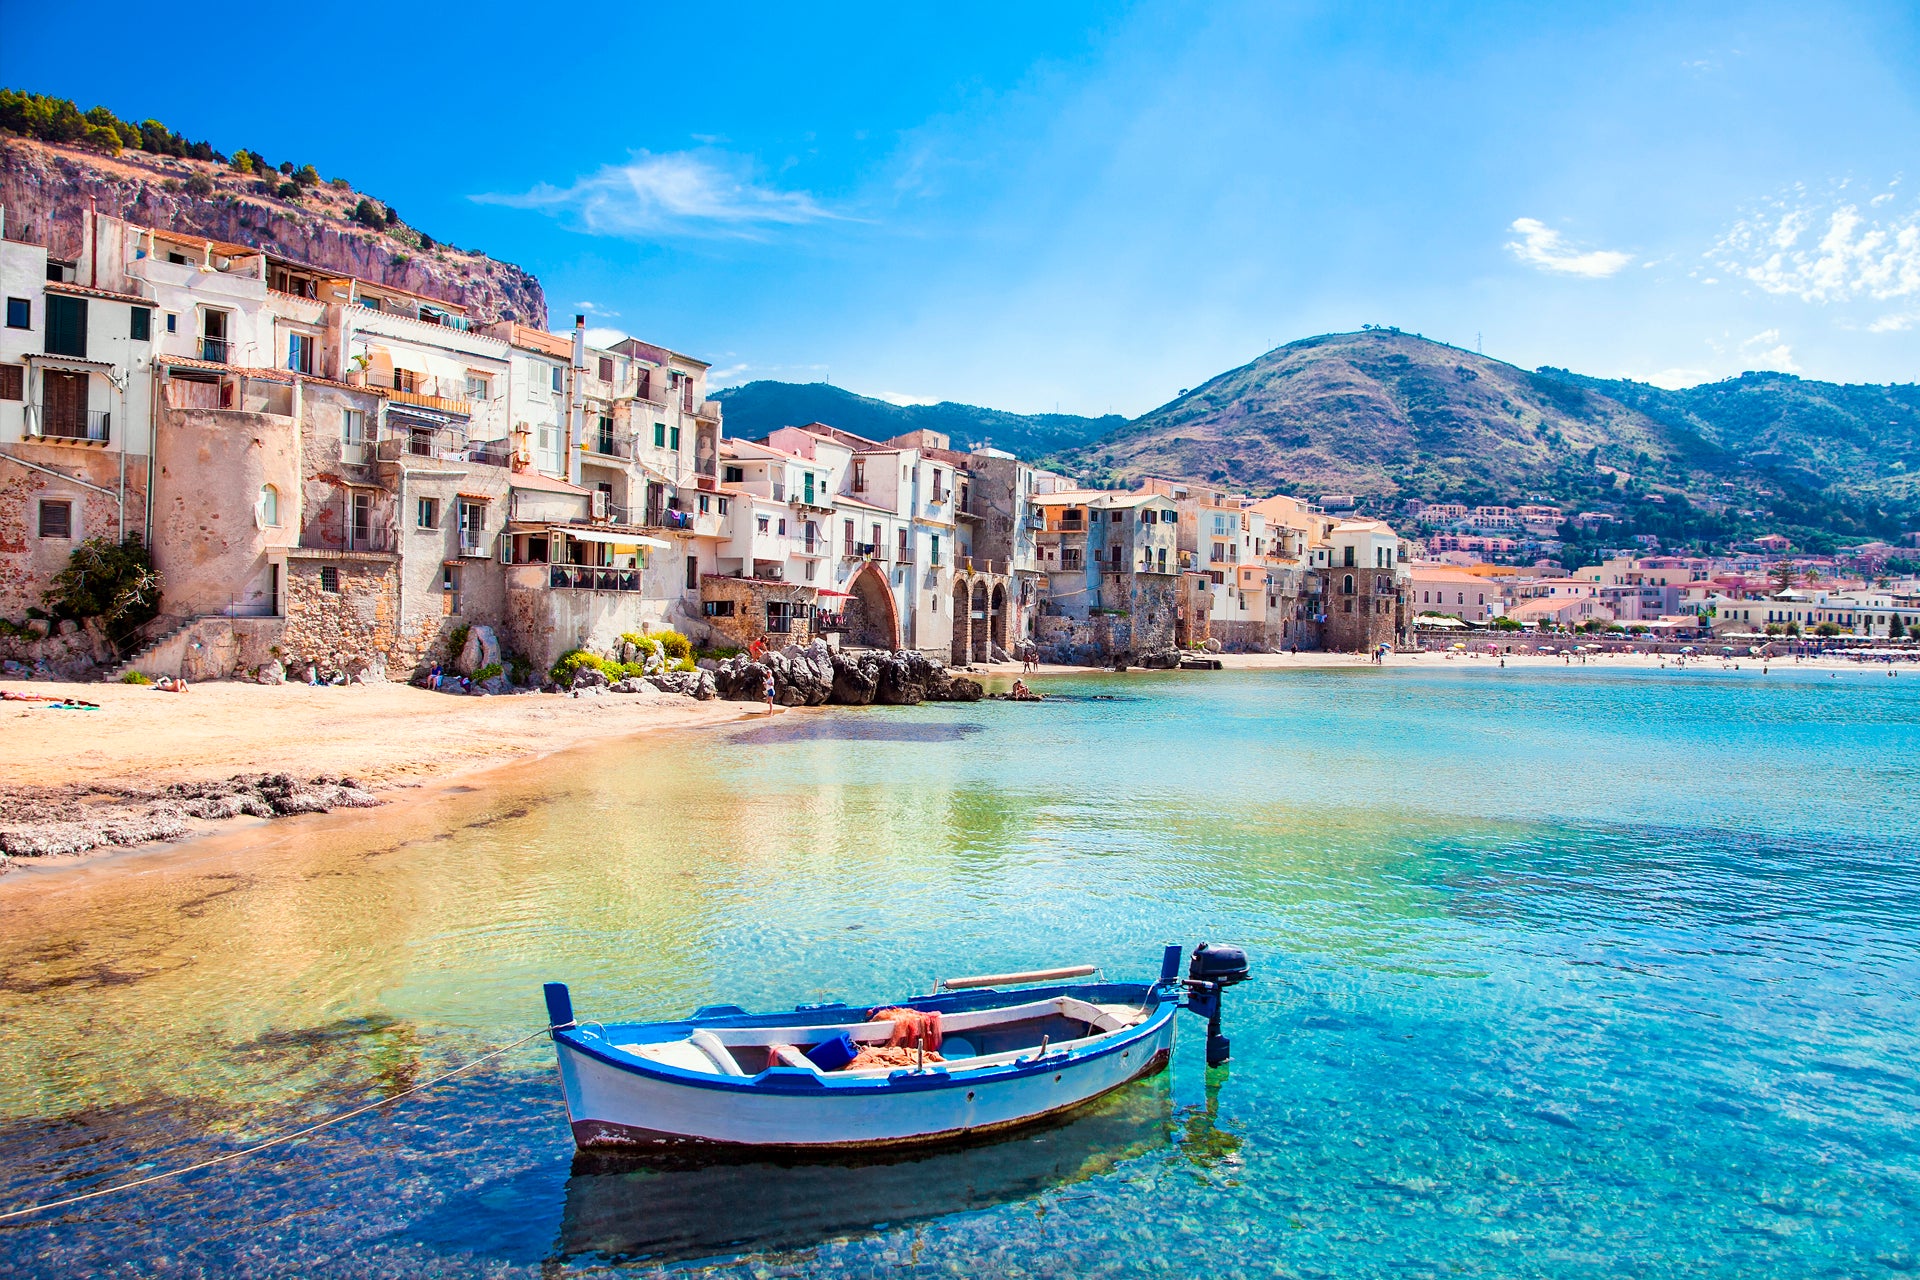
x,y
614,1104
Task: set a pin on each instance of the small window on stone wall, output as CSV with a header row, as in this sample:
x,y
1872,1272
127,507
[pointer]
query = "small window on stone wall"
x,y
269,507
330,580
56,519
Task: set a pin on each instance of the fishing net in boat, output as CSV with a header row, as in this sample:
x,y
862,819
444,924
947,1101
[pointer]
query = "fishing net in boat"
x,y
874,1055
914,1028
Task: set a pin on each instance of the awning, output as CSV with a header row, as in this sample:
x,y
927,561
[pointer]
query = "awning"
x,y
74,363
610,539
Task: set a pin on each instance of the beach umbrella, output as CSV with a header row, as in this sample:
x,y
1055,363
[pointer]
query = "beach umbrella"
x,y
1686,648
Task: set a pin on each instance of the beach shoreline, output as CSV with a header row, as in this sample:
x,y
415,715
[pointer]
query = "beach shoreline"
x,y
97,778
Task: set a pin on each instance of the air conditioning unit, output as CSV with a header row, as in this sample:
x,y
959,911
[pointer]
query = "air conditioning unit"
x,y
599,504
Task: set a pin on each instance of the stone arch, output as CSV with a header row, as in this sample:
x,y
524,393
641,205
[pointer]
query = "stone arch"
x,y
997,629
1346,586
873,620
962,635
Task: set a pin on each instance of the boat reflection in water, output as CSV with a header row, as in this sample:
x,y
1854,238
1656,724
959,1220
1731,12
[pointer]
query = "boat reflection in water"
x,y
683,1207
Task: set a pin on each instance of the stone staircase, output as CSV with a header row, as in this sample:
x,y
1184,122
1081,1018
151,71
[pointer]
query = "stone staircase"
x,y
146,651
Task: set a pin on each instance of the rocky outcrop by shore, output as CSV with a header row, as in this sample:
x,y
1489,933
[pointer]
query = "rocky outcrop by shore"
x,y
813,675
39,822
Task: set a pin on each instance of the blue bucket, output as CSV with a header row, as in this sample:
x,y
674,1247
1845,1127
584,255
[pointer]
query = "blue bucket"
x,y
832,1055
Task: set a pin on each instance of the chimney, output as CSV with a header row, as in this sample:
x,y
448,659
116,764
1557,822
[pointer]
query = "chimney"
x,y
579,342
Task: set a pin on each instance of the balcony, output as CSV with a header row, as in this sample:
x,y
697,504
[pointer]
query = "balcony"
x,y
473,546
868,550
668,518
443,404
1036,520
85,426
215,350
568,577
604,444
491,453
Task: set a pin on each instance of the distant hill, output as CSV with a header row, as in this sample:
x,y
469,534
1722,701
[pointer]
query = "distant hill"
x,y
1863,439
1388,416
756,408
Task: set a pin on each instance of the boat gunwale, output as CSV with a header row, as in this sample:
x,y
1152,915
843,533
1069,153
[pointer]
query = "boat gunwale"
x,y
941,1075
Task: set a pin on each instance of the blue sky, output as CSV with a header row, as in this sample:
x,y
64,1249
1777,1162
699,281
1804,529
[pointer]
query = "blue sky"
x,y
1095,206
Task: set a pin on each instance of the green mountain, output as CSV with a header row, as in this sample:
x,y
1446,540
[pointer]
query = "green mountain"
x,y
756,408
1388,416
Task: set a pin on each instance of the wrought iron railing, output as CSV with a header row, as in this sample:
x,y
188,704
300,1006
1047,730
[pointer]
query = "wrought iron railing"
x,y
93,426
215,349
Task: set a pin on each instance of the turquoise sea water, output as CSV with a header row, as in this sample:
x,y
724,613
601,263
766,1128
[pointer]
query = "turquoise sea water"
x,y
1569,972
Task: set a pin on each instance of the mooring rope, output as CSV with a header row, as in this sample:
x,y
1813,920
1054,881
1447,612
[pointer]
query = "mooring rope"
x,y
272,1142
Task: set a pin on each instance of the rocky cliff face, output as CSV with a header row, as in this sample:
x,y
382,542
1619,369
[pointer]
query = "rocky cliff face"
x,y
46,190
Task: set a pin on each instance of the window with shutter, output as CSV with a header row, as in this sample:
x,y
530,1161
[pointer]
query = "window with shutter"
x,y
13,382
66,326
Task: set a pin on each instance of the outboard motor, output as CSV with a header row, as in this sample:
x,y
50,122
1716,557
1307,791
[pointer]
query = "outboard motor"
x,y
1212,970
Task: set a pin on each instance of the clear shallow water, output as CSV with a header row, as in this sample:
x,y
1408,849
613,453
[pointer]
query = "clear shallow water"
x,y
1570,972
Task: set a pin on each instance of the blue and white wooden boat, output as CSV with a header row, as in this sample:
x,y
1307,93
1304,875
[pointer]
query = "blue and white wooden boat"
x,y
1018,1047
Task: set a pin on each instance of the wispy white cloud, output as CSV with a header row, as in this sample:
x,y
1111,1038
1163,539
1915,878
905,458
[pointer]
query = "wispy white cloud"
x,y
1826,250
1765,350
1674,379
689,193
1896,323
1541,246
894,397
595,309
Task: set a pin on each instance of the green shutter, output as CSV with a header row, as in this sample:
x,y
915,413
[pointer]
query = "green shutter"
x,y
66,326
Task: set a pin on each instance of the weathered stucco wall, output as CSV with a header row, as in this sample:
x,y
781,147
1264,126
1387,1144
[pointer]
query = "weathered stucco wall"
x,y
208,540
28,561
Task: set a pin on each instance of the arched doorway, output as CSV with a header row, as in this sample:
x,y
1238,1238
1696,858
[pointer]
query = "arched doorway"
x,y
997,630
977,619
962,635
873,621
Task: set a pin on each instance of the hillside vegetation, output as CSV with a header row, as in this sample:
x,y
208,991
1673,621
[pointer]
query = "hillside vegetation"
x,y
756,408
57,161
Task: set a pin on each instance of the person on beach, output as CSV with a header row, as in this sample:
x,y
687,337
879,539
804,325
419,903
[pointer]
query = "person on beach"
x,y
769,692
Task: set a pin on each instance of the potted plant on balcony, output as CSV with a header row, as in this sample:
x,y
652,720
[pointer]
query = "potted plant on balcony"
x,y
357,372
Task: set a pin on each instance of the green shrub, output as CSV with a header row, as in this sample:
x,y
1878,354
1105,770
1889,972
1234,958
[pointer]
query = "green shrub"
x,y
487,672
1827,629
134,677
646,644
114,582
720,654
674,645
1505,624
457,640
569,663
522,670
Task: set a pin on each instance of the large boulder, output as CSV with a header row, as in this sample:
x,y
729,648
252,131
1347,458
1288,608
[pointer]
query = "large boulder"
x,y
855,681
904,677
590,680
804,674
739,679
481,650
958,689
